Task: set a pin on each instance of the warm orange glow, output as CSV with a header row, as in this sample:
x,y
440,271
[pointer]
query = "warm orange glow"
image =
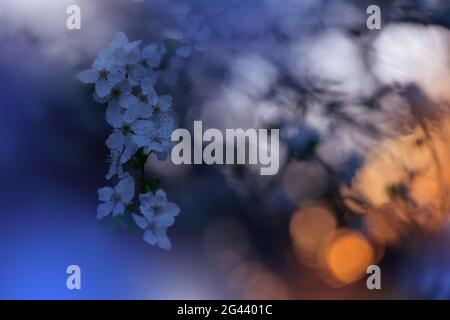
x,y
308,228
347,255
387,224
405,184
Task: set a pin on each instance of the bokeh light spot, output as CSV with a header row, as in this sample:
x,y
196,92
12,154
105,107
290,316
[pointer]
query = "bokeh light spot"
x,y
308,228
347,255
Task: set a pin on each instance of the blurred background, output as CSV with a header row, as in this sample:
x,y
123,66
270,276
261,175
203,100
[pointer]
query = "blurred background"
x,y
364,176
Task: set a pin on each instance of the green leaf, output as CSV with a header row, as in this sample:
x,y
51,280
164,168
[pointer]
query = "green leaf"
x,y
139,159
149,185
171,44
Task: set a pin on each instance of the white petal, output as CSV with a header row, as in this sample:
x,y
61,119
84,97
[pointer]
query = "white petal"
x,y
100,100
119,209
119,40
164,220
152,75
141,140
164,242
101,62
171,209
113,115
146,198
115,78
143,126
132,113
88,76
130,149
104,209
140,221
120,57
155,146
115,168
152,55
134,55
127,100
116,141
102,88
147,213
125,88
149,81
125,188
105,194
150,237
136,73
160,196
152,97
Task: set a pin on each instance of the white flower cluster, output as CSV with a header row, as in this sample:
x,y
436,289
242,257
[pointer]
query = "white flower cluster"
x,y
125,77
